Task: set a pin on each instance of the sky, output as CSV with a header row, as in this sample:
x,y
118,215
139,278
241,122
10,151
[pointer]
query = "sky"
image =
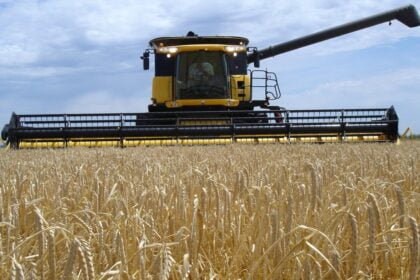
x,y
83,56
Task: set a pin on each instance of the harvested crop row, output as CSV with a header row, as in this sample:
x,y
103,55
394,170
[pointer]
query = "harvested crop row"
x,y
211,212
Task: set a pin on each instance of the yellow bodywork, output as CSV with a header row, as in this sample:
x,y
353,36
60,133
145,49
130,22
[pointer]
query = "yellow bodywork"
x,y
163,93
162,89
256,139
236,92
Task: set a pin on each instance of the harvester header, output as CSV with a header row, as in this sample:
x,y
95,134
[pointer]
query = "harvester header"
x,y
204,93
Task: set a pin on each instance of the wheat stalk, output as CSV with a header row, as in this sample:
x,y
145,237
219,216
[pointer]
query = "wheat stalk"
x,y
83,262
414,248
335,260
185,266
401,205
211,212
52,263
372,233
71,259
17,270
39,220
354,243
307,275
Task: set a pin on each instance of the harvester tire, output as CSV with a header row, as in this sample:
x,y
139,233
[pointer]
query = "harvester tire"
x,y
5,132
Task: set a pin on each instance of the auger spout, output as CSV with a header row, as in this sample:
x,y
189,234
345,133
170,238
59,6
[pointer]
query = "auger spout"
x,y
407,15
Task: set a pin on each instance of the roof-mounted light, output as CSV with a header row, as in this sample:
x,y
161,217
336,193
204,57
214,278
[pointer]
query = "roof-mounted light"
x,y
235,48
168,50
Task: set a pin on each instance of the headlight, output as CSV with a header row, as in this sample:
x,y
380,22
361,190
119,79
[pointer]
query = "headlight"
x,y
168,49
234,48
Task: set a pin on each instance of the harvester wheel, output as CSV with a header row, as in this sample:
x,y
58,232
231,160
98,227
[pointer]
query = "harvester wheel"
x,y
262,118
5,132
278,117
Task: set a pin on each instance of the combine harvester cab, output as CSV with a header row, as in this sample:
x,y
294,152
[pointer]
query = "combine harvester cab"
x,y
203,94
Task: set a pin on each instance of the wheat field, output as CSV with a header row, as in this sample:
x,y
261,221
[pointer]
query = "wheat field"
x,y
211,212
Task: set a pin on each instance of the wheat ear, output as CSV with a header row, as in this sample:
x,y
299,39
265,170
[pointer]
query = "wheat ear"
x,y
17,271
87,252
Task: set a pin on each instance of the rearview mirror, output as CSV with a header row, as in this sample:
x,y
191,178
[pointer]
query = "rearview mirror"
x,y
146,61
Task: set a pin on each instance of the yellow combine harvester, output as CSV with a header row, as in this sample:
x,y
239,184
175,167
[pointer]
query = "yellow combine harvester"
x,y
203,94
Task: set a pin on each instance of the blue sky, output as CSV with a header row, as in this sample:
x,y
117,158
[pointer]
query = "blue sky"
x,y
83,56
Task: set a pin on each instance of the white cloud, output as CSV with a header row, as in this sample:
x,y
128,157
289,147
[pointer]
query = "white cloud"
x,y
376,90
39,72
118,21
33,29
105,101
17,54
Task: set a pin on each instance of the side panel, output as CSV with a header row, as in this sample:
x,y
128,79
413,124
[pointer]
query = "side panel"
x,y
162,89
241,87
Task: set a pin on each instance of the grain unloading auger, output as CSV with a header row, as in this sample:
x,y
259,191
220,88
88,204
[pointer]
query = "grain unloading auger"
x,y
203,94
